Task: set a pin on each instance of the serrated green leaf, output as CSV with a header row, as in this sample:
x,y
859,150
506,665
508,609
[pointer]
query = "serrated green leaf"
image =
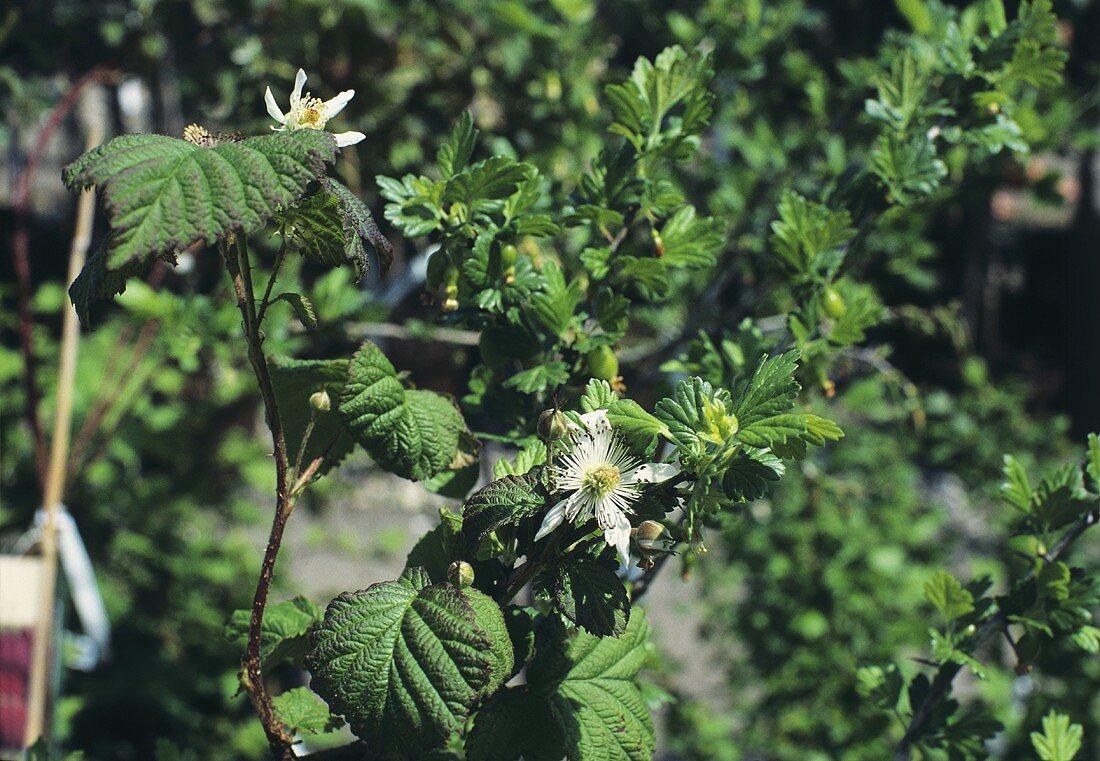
x,y
1016,490
415,434
909,169
748,475
1092,461
808,235
696,416
556,302
504,501
515,724
454,154
589,683
493,179
437,549
164,195
303,713
533,453
1059,740
405,662
295,380
284,635
638,427
589,594
303,308
769,391
597,395
948,596
690,241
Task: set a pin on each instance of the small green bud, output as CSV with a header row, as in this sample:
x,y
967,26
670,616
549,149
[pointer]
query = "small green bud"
x,y
651,541
461,574
553,425
320,401
833,303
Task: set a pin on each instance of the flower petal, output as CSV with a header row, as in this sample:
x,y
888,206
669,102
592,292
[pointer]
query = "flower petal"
x,y
299,83
273,109
596,421
618,536
653,472
335,105
554,517
344,139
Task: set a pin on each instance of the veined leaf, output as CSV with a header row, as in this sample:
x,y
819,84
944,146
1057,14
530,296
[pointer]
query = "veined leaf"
x,y
690,241
637,426
589,683
284,635
164,195
948,595
302,712
589,594
454,154
506,500
1059,740
404,661
295,380
415,434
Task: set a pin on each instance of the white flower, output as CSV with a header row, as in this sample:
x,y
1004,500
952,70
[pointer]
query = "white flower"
x,y
604,481
307,112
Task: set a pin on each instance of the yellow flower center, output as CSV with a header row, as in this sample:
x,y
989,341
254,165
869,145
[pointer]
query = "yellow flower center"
x,y
309,113
600,480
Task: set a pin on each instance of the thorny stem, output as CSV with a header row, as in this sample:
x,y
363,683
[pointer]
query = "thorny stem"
x,y
941,683
278,738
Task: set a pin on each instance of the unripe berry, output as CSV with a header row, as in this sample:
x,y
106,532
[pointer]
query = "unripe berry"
x,y
508,256
603,364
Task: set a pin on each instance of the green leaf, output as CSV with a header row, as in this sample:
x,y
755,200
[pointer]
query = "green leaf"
x,y
97,282
533,453
674,79
515,724
589,683
557,301
589,594
697,415
416,203
1092,462
638,427
415,434
493,179
1016,490
1059,740
436,550
504,501
948,595
690,241
536,379
295,380
333,226
454,154
284,635
597,395
302,307
164,195
303,713
769,391
748,475
810,237
405,662
909,169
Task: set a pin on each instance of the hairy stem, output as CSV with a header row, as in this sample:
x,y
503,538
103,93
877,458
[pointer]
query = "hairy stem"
x,y
278,738
266,300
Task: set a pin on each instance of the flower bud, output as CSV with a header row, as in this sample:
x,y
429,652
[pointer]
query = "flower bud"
x,y
320,401
461,574
553,425
651,540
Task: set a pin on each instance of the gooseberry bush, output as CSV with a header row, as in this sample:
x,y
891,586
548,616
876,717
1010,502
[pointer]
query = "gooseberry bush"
x,y
452,659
